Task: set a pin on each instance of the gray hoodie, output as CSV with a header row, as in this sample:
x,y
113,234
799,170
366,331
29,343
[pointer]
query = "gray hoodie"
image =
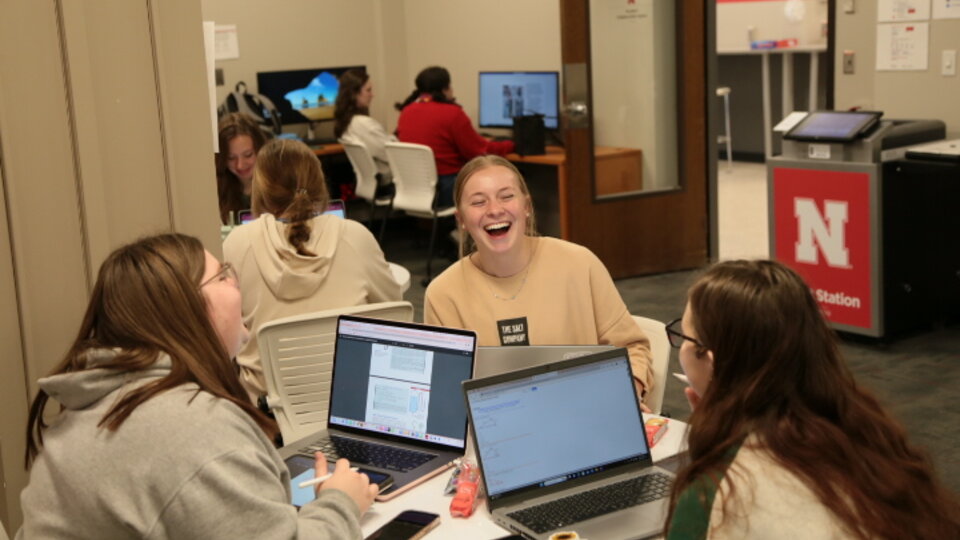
x,y
184,464
348,269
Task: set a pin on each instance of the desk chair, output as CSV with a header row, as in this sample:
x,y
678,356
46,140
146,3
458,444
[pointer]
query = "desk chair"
x,y
297,357
724,92
366,172
415,175
660,352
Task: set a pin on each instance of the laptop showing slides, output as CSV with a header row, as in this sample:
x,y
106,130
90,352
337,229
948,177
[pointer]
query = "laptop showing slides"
x,y
395,400
563,447
497,360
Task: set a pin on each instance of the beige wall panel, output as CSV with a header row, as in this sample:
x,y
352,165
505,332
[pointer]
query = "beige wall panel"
x,y
467,37
13,392
45,237
187,136
899,94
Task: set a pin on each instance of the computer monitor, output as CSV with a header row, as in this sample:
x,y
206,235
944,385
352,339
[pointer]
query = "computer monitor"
x,y
505,94
303,95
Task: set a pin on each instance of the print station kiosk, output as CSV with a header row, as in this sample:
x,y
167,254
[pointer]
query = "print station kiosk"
x,y
826,199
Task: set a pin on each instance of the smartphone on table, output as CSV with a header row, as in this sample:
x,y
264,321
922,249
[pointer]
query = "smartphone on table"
x,y
409,525
302,469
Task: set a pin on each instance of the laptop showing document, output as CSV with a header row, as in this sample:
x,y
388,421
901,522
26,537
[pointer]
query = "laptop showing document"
x,y
497,360
395,399
563,447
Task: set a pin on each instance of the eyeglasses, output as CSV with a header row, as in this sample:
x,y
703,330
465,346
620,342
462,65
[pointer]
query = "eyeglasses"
x,y
226,272
676,337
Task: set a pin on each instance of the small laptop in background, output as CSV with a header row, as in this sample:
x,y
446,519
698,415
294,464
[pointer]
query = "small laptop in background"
x,y
395,400
335,207
497,360
563,447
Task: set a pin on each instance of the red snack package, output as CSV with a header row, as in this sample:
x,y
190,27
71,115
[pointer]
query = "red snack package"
x,y
465,501
656,427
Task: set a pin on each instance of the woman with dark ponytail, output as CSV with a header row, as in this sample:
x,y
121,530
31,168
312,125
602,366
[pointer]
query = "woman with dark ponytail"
x,y
293,259
431,116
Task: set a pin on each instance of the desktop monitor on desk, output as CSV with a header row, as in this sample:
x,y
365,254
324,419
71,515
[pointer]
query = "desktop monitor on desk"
x,y
303,95
504,95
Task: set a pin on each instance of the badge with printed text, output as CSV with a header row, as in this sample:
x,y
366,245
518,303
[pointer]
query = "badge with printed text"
x,y
513,331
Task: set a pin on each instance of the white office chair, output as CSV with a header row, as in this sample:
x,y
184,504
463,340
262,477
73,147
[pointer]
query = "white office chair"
x,y
415,175
366,172
297,357
660,351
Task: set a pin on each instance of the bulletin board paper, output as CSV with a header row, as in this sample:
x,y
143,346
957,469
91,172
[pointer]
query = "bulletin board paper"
x,y
902,46
946,9
903,10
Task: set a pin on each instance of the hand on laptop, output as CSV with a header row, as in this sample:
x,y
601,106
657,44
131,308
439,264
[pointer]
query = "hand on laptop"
x,y
355,484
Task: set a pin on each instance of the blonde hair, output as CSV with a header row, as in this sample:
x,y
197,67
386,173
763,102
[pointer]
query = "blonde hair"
x,y
475,165
288,182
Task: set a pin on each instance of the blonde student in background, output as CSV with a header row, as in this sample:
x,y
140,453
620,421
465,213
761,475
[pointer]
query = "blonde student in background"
x,y
153,436
783,442
294,259
513,287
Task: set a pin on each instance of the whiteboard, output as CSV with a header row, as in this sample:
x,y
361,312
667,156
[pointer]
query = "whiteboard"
x,y
741,21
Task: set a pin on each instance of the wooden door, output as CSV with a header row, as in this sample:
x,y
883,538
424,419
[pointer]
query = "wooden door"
x,y
633,230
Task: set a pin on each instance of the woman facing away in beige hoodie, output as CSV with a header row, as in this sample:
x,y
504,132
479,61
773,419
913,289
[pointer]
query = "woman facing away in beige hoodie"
x,y
293,259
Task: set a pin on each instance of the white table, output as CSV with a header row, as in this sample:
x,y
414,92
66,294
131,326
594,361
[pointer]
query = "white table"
x,y
429,497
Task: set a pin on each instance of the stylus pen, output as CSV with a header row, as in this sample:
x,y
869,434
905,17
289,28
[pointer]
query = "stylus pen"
x,y
682,378
321,479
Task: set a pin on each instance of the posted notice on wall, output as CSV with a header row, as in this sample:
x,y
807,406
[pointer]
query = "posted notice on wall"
x,y
946,9
227,46
902,46
903,10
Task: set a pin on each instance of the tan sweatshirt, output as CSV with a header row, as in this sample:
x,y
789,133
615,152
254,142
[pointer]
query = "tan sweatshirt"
x,y
348,270
565,297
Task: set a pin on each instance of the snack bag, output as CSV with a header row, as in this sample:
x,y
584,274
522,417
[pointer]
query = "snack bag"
x,y
465,501
656,427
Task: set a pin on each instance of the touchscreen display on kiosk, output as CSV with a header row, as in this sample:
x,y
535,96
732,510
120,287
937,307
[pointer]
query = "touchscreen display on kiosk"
x,y
834,126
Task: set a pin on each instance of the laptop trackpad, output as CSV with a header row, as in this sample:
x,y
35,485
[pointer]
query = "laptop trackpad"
x,y
641,521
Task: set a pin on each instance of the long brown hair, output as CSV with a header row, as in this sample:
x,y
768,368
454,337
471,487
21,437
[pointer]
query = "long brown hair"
x,y
147,301
229,187
475,165
346,105
778,374
288,182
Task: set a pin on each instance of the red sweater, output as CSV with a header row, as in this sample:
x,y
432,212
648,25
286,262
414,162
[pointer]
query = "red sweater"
x,y
446,129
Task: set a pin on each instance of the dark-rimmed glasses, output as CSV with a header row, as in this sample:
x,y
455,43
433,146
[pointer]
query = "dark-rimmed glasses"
x,y
226,271
676,337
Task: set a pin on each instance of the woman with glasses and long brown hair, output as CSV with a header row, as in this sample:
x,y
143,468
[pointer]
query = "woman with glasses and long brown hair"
x,y
154,436
783,443
294,259
513,287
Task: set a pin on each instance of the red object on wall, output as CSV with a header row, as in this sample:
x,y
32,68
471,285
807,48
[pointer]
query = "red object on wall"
x,y
822,221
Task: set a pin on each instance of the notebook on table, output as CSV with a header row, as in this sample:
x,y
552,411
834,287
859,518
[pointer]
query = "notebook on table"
x,y
562,447
497,360
395,400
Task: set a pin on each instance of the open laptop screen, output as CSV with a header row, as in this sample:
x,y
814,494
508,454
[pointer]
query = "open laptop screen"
x,y
557,425
401,379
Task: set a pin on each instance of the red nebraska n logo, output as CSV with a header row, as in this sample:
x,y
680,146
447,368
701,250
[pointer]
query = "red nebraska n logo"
x,y
829,234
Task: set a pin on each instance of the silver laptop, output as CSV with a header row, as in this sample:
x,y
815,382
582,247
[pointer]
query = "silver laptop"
x,y
497,360
395,400
552,438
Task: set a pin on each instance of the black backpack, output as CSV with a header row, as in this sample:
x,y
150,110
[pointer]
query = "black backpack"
x,y
258,106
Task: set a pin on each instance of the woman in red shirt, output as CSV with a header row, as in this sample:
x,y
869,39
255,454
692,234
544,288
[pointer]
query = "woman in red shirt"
x,y
431,116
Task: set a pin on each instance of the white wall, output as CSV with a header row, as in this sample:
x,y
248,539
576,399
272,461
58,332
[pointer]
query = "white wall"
x,y
899,94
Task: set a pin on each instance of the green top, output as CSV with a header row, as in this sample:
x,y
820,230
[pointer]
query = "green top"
x,y
691,517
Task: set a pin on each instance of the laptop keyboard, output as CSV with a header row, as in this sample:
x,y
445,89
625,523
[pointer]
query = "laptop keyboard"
x,y
596,502
368,453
